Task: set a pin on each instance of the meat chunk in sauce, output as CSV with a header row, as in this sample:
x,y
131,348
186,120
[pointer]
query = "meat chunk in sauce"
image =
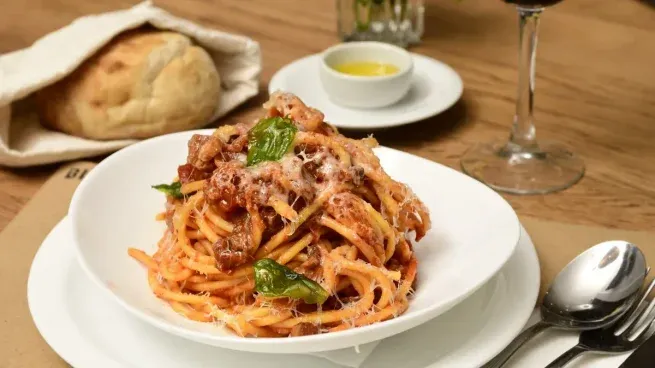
x,y
413,214
188,173
238,145
202,151
287,104
272,222
237,248
225,185
311,267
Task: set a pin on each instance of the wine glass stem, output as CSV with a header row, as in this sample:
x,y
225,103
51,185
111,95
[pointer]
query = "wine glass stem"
x,y
523,136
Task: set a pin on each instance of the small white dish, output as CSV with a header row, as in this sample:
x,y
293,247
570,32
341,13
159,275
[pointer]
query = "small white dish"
x,y
434,88
365,92
88,330
475,231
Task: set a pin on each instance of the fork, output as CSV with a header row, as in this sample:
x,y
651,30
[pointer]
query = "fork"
x,y
625,335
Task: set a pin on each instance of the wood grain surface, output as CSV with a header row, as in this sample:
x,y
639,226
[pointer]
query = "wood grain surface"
x,y
595,86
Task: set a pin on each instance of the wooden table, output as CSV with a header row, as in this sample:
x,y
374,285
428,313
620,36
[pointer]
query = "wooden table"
x,y
595,78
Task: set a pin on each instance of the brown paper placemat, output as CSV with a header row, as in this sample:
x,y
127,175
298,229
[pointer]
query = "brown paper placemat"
x,y
21,346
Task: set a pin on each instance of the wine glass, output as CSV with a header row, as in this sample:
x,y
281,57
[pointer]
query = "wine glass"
x,y
521,165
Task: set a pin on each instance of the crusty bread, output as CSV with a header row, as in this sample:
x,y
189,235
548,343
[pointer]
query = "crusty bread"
x,y
142,84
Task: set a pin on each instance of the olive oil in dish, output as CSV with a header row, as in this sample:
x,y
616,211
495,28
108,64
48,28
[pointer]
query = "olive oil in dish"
x,y
366,69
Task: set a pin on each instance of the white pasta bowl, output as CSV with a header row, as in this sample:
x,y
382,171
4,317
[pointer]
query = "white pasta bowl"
x,y
474,233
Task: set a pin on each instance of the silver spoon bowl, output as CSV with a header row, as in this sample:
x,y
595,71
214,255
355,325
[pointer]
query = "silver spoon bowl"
x,y
593,291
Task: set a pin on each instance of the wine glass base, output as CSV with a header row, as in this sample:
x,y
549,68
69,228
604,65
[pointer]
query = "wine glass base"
x,y
548,168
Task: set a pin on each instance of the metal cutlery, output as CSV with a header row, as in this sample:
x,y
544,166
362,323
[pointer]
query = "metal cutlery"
x,y
593,291
627,334
644,356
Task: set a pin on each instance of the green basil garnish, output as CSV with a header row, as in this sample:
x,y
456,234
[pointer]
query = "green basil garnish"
x,y
275,280
172,190
270,139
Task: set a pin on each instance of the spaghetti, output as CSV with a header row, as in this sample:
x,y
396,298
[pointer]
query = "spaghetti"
x,y
284,227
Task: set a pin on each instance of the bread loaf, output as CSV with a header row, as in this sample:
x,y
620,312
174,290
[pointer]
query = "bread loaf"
x,y
142,84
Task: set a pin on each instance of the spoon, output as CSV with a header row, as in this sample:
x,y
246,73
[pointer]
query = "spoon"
x,y
592,291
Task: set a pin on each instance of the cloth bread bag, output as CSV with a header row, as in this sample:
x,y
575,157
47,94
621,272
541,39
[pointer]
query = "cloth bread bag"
x,y
24,142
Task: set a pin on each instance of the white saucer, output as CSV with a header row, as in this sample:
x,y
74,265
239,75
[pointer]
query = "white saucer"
x,y
87,329
435,88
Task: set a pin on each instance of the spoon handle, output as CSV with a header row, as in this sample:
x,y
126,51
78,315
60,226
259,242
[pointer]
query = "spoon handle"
x,y
567,357
518,341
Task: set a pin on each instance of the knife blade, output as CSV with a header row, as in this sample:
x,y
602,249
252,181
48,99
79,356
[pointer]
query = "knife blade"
x,y
644,356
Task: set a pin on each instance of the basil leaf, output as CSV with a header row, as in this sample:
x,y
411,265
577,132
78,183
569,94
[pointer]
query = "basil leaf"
x,y
275,280
172,190
270,139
